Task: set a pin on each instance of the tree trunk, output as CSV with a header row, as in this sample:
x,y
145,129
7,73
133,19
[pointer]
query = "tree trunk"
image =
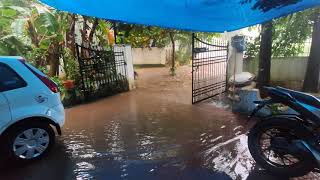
x,y
311,80
93,29
32,33
84,38
54,59
265,55
115,32
54,65
84,31
173,67
36,42
70,36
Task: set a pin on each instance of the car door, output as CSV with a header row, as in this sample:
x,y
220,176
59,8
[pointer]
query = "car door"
x,y
9,81
5,115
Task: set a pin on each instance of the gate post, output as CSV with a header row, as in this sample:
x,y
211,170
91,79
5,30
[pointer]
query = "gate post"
x,y
192,61
235,60
129,63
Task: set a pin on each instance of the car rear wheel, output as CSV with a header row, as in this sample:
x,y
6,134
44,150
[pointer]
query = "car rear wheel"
x,y
28,142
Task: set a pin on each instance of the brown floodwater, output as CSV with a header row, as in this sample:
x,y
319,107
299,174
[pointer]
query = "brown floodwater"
x,y
152,132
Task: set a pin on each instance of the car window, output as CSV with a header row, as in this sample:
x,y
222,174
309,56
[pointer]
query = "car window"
x,y
9,79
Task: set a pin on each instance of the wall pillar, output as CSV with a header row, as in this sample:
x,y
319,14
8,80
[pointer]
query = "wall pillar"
x,y
126,49
130,69
235,61
236,48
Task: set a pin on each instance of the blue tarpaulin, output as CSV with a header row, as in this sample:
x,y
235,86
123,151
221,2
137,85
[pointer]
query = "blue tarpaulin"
x,y
194,15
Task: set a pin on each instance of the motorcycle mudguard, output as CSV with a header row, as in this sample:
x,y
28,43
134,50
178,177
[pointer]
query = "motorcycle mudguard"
x,y
304,132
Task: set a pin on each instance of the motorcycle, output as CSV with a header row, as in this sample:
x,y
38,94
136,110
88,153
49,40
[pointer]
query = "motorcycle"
x,y
287,144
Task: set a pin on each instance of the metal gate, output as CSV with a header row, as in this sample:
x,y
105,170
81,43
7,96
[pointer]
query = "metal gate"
x,y
209,68
103,72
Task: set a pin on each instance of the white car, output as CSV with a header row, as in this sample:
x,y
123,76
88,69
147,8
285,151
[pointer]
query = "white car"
x,y
31,112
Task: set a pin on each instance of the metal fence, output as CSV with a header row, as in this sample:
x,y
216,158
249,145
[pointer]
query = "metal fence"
x,y
103,72
209,68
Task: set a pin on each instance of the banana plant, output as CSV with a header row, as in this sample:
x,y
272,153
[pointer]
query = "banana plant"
x,y
10,42
36,28
46,30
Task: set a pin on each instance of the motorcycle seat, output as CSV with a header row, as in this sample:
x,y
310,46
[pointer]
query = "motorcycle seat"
x,y
302,97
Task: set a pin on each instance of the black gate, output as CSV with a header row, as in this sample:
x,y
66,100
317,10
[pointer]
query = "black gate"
x,y
103,72
209,68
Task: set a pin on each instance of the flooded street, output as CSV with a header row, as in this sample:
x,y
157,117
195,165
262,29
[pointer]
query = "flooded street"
x,y
152,132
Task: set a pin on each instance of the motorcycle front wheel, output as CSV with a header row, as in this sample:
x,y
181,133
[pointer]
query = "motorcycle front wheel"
x,y
279,161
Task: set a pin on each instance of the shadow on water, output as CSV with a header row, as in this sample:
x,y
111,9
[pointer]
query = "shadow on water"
x,y
55,166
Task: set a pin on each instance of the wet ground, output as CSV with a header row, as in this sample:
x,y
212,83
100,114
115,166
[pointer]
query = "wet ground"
x,y
152,132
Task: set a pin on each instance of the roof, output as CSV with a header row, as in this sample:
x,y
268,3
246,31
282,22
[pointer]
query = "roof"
x,y
193,15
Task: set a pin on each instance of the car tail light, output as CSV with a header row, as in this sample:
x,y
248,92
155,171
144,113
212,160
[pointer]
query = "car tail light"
x,y
49,83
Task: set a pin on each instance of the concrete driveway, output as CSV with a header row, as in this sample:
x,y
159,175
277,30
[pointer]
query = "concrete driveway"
x,y
152,132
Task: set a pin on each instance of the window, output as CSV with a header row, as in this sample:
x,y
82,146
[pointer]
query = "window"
x,y
9,79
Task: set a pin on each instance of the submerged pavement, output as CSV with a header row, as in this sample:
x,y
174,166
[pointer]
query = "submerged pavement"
x,y
152,132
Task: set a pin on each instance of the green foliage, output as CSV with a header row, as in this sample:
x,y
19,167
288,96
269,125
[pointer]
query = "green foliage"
x,y
28,25
142,36
21,3
43,69
59,83
252,49
184,51
32,30
71,67
36,56
277,108
102,33
183,55
10,44
184,41
209,37
289,35
44,36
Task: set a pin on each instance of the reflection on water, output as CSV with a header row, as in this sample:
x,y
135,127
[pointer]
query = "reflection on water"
x,y
150,145
112,134
231,156
77,144
83,170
